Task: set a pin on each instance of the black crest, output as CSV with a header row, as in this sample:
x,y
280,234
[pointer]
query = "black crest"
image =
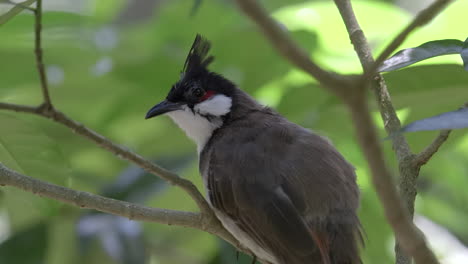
x,y
198,59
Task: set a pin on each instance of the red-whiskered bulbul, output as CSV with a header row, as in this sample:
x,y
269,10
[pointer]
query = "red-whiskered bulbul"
x,y
283,191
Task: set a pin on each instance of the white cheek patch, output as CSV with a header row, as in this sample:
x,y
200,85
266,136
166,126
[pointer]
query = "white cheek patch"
x,y
217,105
197,127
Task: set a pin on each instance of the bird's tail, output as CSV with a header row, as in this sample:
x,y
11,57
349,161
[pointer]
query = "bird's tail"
x,y
346,243
337,240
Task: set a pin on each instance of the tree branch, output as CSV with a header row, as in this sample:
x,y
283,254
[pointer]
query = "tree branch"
x,y
358,39
408,169
38,53
424,156
81,199
20,108
131,211
23,5
119,151
280,39
405,231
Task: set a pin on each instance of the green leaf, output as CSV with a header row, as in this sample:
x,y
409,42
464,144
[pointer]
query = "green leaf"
x,y
427,90
15,11
449,120
425,51
25,148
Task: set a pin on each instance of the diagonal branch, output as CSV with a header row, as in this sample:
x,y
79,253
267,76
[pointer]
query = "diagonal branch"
x,y
424,156
131,211
280,39
17,8
20,108
122,152
81,199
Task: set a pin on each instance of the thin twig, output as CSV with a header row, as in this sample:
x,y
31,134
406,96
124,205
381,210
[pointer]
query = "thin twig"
x,y
20,108
356,35
280,39
38,53
22,5
421,19
424,156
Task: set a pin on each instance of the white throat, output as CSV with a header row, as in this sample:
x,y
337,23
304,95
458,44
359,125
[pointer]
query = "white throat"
x,y
195,125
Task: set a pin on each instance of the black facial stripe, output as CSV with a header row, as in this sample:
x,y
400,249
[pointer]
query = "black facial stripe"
x,y
209,117
191,106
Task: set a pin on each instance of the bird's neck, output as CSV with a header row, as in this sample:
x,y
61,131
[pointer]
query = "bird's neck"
x,y
199,126
242,105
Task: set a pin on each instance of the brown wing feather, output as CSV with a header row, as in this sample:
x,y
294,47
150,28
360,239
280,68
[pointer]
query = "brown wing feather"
x,y
290,202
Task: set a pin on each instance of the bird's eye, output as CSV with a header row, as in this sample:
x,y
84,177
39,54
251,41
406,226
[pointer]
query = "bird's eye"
x,y
198,92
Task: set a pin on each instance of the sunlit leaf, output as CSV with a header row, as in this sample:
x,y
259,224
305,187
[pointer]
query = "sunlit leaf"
x,y
425,51
15,11
321,18
450,120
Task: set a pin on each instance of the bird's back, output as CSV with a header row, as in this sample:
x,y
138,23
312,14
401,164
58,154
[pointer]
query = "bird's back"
x,y
285,187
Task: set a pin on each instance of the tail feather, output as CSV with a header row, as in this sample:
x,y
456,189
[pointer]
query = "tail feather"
x,y
346,243
339,242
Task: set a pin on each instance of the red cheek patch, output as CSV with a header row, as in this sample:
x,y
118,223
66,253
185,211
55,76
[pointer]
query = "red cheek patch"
x,y
207,95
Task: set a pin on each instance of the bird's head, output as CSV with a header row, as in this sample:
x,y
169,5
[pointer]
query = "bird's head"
x,y
200,91
200,100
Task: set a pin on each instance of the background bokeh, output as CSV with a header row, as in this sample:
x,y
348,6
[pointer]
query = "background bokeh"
x,y
109,61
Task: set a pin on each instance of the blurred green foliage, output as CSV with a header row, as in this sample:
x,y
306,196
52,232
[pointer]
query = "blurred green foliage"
x,y
105,70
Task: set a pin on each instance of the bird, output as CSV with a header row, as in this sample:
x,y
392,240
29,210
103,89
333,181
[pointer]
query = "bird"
x,y
284,192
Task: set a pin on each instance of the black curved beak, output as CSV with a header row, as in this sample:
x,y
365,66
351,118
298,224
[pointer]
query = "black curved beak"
x,y
162,108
